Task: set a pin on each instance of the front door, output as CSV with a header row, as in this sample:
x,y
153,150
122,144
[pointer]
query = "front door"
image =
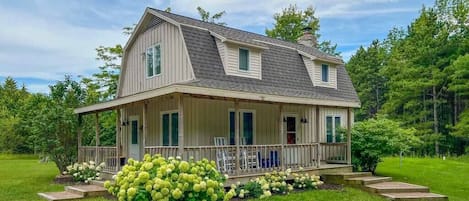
x,y
134,138
291,128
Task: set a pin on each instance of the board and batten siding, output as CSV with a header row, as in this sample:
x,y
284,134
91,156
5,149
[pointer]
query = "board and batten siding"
x,y
175,64
205,119
229,53
315,73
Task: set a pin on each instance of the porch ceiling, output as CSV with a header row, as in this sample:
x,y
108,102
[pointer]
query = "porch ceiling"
x,y
181,88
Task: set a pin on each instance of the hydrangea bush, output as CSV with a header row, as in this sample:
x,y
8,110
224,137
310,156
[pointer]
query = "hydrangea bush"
x,y
276,183
158,178
85,172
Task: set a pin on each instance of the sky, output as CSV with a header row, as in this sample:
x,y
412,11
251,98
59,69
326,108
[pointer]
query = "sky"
x,y
41,41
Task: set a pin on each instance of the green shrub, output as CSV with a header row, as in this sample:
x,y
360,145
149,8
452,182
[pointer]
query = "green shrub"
x,y
374,138
85,172
158,178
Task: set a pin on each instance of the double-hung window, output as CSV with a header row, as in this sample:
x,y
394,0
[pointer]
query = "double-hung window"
x,y
325,72
243,59
333,132
153,60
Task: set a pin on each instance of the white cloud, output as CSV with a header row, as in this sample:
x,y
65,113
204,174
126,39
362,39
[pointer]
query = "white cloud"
x,y
47,48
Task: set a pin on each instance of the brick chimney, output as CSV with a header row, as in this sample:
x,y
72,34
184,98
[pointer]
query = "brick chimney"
x,y
308,39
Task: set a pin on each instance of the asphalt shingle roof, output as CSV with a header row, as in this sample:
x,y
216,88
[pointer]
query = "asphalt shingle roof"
x,y
283,70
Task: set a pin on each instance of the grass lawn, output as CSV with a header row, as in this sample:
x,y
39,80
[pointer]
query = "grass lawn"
x,y
449,177
22,177
348,194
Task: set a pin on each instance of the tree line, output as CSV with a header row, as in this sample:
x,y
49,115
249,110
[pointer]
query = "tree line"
x,y
419,76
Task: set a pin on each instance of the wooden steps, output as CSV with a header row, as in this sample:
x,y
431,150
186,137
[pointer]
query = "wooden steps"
x,y
76,192
384,186
414,196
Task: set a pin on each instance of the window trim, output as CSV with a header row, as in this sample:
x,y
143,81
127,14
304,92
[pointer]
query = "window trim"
x,y
241,134
248,59
169,112
327,73
153,47
334,128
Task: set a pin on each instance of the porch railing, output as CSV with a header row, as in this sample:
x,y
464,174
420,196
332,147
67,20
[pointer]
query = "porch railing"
x,y
252,158
334,152
106,154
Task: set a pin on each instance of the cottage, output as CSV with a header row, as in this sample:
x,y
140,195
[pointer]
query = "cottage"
x,y
249,102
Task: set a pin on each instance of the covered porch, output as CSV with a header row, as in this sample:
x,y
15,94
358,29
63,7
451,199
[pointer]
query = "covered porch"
x,y
259,136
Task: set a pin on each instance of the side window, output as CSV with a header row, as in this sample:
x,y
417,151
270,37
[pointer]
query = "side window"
x,y
170,128
333,132
153,60
325,73
243,59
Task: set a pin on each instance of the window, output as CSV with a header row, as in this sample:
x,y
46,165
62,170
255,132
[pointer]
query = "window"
x,y
153,61
247,127
325,73
333,132
243,59
170,127
134,132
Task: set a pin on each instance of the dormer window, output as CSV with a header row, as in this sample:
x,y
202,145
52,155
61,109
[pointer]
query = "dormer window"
x,y
325,72
153,60
243,59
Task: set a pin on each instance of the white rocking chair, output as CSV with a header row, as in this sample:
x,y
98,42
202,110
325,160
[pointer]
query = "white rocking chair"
x,y
225,158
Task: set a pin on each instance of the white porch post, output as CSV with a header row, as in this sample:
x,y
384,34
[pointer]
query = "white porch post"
x,y
180,125
237,136
97,138
349,136
145,126
79,136
118,139
281,136
318,138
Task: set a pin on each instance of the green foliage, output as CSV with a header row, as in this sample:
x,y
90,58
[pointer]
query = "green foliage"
x,y
85,172
289,26
377,137
157,178
205,16
364,68
418,76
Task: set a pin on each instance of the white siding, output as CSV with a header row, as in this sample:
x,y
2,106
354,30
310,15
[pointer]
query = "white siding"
x,y
231,61
175,64
315,73
205,119
221,51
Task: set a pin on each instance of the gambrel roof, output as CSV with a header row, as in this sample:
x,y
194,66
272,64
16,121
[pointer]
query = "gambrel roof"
x,y
283,70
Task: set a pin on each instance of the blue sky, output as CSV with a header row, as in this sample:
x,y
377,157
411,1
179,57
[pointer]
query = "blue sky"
x,y
43,40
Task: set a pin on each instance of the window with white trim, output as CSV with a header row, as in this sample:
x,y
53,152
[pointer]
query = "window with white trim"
x,y
333,131
325,73
153,60
244,59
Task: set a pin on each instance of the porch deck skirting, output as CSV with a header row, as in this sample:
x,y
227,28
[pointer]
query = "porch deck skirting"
x,y
252,158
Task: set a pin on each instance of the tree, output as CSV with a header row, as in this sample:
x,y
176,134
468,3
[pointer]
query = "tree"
x,y
460,86
364,68
289,25
205,16
377,137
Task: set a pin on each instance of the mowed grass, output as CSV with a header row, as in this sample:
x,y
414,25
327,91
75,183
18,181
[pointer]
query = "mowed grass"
x,y
347,194
22,177
449,177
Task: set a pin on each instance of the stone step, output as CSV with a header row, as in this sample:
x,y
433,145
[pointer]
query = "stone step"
x,y
97,183
396,187
60,196
87,190
339,178
367,180
415,196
